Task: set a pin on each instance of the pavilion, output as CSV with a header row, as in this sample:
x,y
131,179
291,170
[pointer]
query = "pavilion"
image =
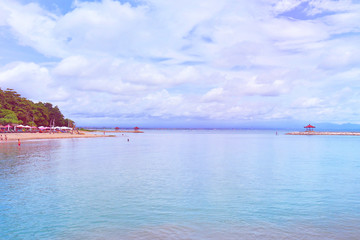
x,y
309,128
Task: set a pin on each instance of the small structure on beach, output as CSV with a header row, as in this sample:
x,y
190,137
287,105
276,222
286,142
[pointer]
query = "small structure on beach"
x,y
309,128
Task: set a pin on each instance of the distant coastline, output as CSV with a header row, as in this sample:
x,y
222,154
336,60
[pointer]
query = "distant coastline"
x,y
116,131
325,133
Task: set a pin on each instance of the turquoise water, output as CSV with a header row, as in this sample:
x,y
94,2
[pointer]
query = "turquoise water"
x,y
182,185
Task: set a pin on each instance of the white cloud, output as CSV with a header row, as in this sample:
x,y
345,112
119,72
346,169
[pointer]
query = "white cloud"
x,y
297,32
4,15
32,80
33,27
320,6
340,56
308,103
287,5
214,95
203,59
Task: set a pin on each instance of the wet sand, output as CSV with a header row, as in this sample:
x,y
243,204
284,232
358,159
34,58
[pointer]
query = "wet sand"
x,y
325,133
28,136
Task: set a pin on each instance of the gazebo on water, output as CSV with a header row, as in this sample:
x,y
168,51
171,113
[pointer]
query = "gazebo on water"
x,y
309,128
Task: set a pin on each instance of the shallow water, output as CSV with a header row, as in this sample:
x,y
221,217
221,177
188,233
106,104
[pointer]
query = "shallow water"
x,y
182,185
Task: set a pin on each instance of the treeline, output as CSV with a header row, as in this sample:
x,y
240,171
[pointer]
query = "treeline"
x,y
19,110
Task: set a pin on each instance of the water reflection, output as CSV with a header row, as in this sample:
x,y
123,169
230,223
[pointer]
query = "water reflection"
x,y
16,159
228,231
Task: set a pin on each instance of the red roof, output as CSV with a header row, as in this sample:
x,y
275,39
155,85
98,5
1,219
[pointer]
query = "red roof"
x,y
309,126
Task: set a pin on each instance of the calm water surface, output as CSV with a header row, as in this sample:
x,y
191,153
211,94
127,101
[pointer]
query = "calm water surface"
x,y
182,185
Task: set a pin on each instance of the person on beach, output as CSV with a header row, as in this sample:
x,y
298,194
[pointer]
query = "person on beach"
x,y
19,143
1,138
5,138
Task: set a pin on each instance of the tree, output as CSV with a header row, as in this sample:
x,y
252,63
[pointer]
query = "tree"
x,y
55,116
8,116
41,114
69,123
28,112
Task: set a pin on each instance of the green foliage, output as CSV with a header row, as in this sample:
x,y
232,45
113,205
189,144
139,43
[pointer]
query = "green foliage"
x,y
16,109
8,116
31,124
56,117
86,130
69,123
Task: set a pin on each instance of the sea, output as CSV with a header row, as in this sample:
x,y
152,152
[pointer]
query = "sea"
x,y
182,184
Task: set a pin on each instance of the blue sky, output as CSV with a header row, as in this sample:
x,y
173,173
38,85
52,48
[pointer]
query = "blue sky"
x,y
210,63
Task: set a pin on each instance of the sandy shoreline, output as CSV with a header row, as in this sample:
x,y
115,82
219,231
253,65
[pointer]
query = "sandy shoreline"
x,y
28,136
325,133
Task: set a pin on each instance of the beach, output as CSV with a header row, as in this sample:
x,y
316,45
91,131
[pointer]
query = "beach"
x,y
29,136
325,133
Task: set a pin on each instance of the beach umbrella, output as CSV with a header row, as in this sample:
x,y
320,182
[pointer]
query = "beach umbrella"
x,y
18,126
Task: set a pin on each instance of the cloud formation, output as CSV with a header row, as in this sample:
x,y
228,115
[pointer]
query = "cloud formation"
x,y
157,60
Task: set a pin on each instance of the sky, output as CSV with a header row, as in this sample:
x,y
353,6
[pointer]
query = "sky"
x,y
204,63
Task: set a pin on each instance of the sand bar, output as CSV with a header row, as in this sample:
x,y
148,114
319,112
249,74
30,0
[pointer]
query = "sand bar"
x,y
325,133
118,131
28,136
